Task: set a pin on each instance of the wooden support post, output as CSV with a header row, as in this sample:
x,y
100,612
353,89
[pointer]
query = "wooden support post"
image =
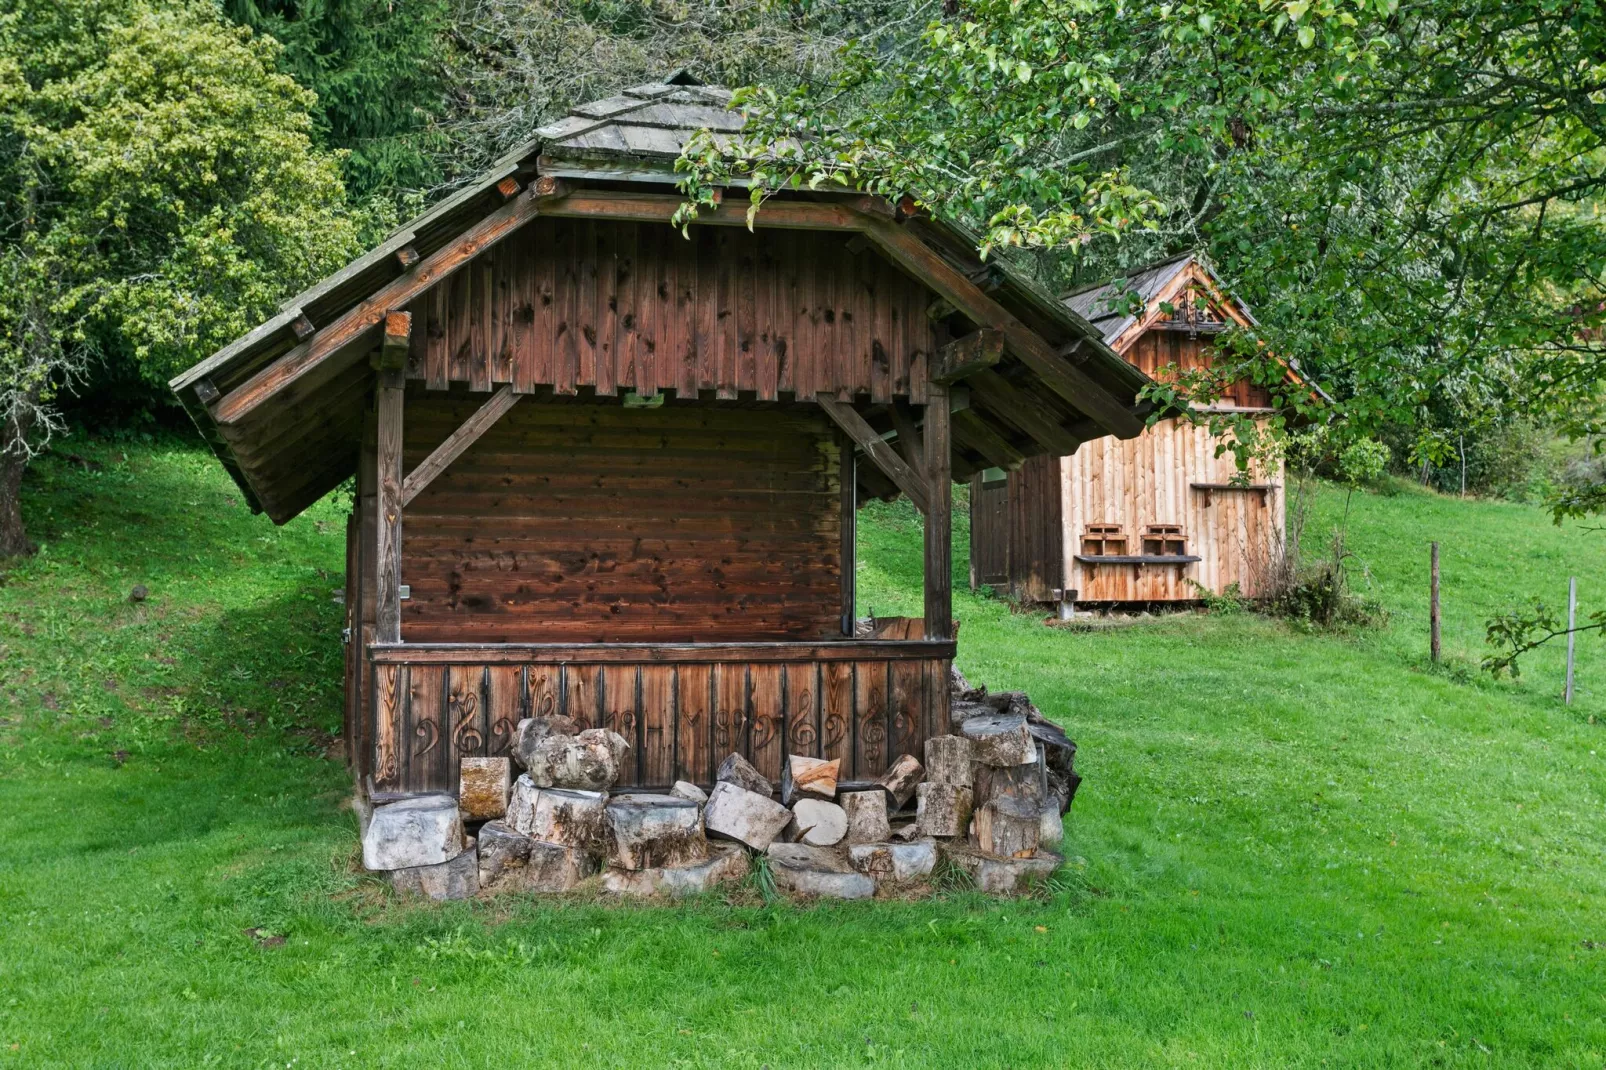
x,y
850,532
909,441
875,447
939,517
1572,622
1433,604
392,353
387,540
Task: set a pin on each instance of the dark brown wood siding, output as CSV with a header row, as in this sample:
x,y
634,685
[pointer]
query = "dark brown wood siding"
x,y
626,306
989,532
1036,564
682,716
578,522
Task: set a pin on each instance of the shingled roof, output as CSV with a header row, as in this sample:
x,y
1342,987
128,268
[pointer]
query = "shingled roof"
x,y
282,406
1104,304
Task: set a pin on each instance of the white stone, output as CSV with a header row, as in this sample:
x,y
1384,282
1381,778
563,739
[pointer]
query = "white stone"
x,y
457,879
738,814
805,870
894,861
726,862
422,831
569,818
739,771
817,823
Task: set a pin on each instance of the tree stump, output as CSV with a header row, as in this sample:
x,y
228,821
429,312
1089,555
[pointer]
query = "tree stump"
x,y
817,823
948,760
1001,739
738,814
563,816
423,831
483,785
1008,828
867,816
649,831
739,771
811,777
1024,782
944,810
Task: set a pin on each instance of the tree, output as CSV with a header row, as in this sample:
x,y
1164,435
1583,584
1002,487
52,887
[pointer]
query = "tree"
x,y
1409,194
159,190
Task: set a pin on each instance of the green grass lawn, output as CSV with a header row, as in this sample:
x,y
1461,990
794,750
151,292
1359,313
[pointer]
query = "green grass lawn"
x,y
1291,849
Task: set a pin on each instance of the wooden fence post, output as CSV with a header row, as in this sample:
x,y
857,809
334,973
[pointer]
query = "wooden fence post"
x,y
1572,621
1433,605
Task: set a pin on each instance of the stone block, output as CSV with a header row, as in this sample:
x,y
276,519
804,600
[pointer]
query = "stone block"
x,y
736,813
817,871
739,771
456,879
726,862
483,785
867,816
653,831
422,831
894,861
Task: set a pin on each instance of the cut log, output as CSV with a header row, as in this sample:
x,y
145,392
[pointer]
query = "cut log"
x,y
894,861
816,871
1006,827
906,832
1000,739
554,868
457,879
867,816
948,760
533,730
1001,876
483,784
817,823
563,816
1021,782
901,777
409,833
746,816
811,777
649,831
1051,830
685,789
587,762
503,854
944,810
726,862
739,771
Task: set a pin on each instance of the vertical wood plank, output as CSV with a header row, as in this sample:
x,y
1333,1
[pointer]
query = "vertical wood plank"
x,y
621,693
582,693
425,746
746,247
730,712
565,254
848,553
587,270
802,682
836,714
658,730
874,279
388,532
764,323
525,297
506,262
545,685
870,706
544,333
465,725
626,343
482,282
694,695
908,709
768,704
437,351
607,310
506,704
725,316
705,308
688,359
390,683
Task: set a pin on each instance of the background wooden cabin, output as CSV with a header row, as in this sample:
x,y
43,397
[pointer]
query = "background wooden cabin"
x,y
1156,518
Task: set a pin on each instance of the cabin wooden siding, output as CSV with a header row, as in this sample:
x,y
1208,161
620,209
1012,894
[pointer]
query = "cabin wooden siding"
x,y
577,522
619,306
1150,480
989,532
1161,353
682,710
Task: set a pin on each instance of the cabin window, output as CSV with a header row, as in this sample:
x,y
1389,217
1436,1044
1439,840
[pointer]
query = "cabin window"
x,y
1104,540
1164,540
994,477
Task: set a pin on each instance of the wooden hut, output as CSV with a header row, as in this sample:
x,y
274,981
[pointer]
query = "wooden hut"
x,y
1156,518
606,471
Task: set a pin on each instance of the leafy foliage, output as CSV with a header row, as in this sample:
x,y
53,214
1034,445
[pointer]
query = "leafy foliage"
x,y
1518,632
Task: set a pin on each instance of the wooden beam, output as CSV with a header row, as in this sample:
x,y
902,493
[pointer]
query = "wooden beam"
x,y
850,528
550,186
908,441
939,517
406,257
1024,411
457,442
341,343
876,448
964,357
387,539
302,327
392,354
508,187
660,208
972,431
1064,378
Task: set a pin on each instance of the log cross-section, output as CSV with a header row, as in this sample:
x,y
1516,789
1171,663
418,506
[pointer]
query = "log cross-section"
x,y
876,448
457,442
966,356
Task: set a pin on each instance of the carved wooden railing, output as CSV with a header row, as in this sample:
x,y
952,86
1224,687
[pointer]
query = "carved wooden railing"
x,y
683,707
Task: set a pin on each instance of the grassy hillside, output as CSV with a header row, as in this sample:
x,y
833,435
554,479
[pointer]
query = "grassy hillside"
x,y
1291,849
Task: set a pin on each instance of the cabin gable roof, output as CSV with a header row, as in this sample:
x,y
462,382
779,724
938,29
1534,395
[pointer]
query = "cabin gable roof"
x,y
283,405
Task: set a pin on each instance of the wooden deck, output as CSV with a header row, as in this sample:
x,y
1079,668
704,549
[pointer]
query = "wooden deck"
x,y
684,707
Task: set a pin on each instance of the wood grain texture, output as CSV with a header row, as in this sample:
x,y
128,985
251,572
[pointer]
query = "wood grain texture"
x,y
388,532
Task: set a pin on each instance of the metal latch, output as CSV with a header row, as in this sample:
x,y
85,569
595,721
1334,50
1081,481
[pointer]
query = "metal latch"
x,y
405,590
345,636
